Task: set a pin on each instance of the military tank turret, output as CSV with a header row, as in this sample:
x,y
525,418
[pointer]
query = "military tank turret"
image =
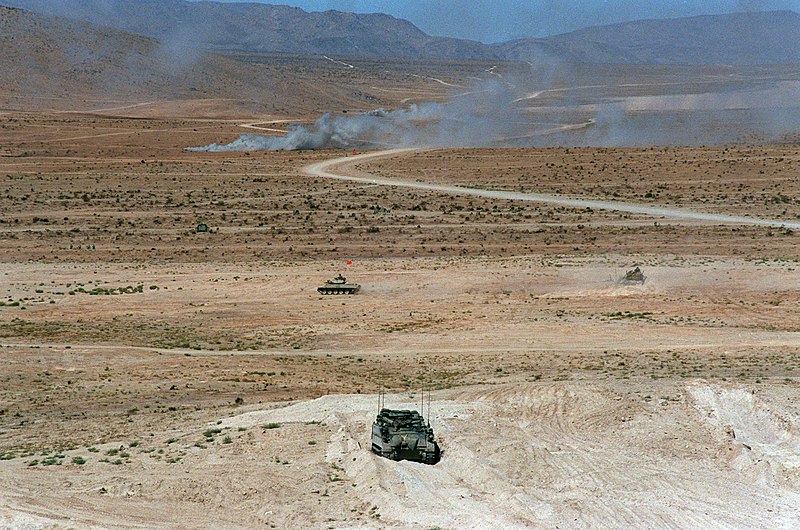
x,y
404,435
633,276
339,285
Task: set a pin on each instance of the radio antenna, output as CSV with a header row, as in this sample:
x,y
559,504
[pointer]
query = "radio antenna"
x,y
429,408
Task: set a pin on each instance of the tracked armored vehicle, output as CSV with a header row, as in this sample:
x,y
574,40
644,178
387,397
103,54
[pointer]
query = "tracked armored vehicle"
x,y
404,435
339,285
633,276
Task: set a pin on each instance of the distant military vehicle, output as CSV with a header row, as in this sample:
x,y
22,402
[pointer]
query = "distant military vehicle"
x,y
339,285
404,435
633,276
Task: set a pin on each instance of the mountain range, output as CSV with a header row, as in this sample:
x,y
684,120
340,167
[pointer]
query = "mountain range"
x,y
58,57
769,37
739,38
260,28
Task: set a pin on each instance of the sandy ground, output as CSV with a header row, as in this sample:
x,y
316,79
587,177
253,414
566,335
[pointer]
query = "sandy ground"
x,y
663,405
157,377
516,455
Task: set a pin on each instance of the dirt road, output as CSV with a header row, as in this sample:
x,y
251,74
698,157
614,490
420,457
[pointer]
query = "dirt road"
x,y
338,168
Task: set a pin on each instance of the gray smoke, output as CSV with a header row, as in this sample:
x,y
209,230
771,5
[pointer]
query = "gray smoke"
x,y
714,118
514,113
484,116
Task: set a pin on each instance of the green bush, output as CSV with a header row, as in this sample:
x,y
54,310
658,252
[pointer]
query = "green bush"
x,y
211,432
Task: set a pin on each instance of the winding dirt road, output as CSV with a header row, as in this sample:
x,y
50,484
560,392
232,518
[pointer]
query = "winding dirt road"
x,y
257,125
337,168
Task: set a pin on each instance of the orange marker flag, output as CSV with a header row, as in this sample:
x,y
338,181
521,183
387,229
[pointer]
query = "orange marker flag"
x,y
349,262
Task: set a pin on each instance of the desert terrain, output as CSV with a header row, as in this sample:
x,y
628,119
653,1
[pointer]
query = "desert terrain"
x,y
156,376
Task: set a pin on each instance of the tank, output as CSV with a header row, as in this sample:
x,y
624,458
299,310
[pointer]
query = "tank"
x,y
339,285
633,276
404,435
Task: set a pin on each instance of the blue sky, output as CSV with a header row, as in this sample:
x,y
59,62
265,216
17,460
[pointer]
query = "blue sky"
x,y
500,20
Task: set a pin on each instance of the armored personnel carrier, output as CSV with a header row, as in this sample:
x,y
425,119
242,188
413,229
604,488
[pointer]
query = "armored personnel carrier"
x,y
339,285
633,276
404,435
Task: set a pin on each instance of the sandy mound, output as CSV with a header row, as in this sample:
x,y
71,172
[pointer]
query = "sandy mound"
x,y
767,441
530,455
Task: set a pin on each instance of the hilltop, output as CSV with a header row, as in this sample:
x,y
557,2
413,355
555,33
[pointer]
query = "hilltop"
x,y
738,38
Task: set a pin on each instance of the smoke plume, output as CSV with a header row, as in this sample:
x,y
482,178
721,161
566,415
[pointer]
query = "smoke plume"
x,y
499,113
484,116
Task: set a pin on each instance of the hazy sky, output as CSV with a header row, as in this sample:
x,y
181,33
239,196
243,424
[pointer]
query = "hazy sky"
x,y
500,20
